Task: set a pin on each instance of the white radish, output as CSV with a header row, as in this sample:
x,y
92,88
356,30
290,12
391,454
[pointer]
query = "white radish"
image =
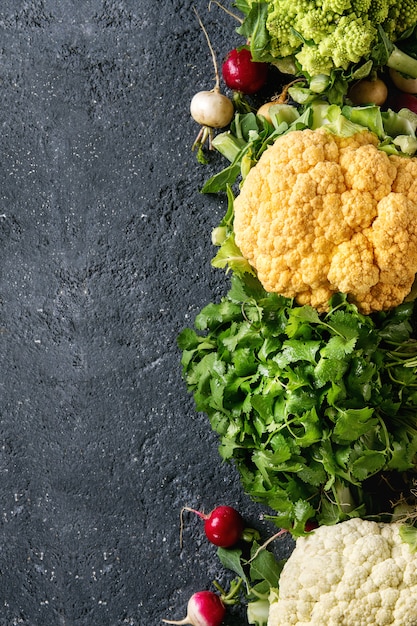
x,y
205,608
407,85
211,109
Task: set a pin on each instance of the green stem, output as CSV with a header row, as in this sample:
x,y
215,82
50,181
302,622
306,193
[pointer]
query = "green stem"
x,y
230,597
402,62
280,533
343,497
229,146
385,431
398,381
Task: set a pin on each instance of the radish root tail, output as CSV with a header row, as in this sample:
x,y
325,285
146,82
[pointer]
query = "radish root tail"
x,y
213,56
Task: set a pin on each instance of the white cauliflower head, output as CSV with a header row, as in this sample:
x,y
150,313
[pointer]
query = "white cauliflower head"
x,y
356,573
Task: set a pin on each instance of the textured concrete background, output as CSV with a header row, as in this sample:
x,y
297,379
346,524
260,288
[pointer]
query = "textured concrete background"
x,y
104,257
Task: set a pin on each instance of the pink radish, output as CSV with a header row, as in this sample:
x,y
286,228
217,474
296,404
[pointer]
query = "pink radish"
x,y
223,526
205,608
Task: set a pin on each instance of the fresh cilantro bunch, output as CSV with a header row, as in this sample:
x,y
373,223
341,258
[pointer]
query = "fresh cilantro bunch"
x,y
317,411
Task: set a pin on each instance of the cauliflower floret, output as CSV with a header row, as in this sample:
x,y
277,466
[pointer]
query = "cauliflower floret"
x,y
321,214
368,169
387,574
369,586
352,268
393,237
406,178
359,209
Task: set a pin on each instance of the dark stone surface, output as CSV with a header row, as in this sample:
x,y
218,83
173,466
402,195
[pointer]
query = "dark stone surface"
x,y
104,257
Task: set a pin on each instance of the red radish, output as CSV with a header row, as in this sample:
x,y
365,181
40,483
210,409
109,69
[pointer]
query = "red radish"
x,y
223,526
242,74
310,525
404,101
205,608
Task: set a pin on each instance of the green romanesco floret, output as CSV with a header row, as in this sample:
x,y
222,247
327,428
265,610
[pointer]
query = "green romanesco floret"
x,y
315,25
344,32
402,15
349,42
361,6
336,6
281,23
379,9
329,28
314,62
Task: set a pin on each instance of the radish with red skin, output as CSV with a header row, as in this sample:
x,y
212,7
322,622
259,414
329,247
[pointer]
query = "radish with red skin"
x,y
205,608
310,526
223,527
242,74
404,101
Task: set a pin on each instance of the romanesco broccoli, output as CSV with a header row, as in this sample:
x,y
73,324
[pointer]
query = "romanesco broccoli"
x,y
379,9
349,42
336,6
314,62
343,32
402,15
361,6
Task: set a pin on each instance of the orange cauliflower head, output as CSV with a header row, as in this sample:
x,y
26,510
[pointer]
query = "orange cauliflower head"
x,y
321,214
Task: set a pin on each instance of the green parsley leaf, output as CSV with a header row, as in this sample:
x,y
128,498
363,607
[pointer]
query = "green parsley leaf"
x,y
350,424
264,566
230,558
307,405
230,257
